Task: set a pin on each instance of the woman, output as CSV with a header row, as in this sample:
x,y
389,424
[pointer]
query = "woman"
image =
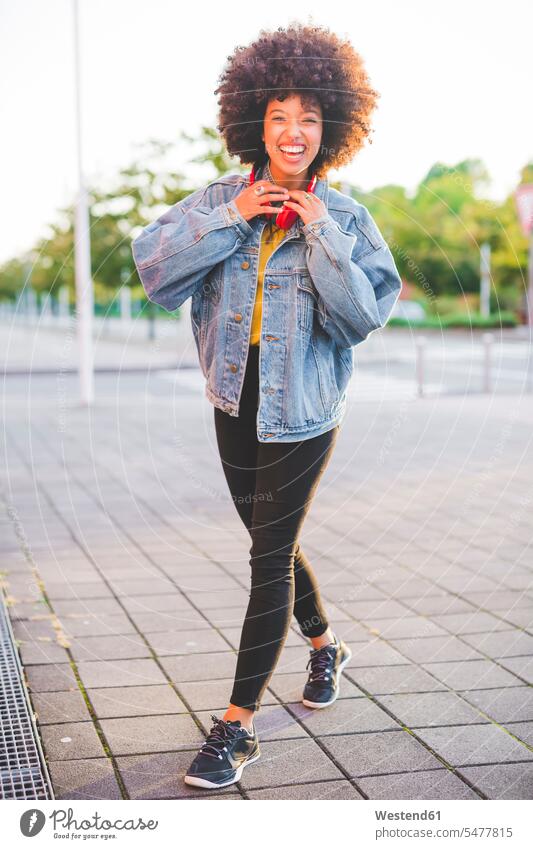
x,y
276,309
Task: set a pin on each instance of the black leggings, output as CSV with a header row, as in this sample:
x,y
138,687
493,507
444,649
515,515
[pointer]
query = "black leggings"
x,y
272,485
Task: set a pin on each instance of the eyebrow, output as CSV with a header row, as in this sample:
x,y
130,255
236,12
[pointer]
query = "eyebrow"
x,y
304,113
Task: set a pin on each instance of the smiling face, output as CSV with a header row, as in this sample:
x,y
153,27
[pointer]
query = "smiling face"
x,y
292,133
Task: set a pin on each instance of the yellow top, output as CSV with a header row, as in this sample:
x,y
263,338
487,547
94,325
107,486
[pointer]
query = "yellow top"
x,y
268,245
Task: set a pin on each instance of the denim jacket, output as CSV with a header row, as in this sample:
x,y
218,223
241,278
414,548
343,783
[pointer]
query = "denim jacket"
x,y
327,286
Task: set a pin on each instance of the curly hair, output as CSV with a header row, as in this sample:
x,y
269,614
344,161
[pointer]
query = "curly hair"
x,y
306,60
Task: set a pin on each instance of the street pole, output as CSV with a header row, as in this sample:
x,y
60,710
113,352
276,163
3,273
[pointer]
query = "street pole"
x,y
82,249
484,294
530,281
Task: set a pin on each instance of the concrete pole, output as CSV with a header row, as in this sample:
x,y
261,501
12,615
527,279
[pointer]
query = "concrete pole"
x,y
484,294
82,248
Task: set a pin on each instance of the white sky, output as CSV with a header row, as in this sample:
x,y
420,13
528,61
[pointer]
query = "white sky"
x,y
454,78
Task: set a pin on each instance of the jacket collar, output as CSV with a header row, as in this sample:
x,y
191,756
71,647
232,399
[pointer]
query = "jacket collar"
x,y
321,191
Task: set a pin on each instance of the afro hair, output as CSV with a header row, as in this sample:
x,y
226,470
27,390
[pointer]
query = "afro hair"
x,y
306,60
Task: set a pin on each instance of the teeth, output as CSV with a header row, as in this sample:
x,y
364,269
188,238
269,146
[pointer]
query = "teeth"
x,y
288,149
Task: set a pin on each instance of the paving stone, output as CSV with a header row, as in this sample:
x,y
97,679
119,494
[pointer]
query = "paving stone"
x,y
415,585
166,643
422,784
523,730
221,599
470,623
522,667
21,610
346,716
273,722
213,695
289,688
64,706
431,605
499,600
351,632
109,648
296,761
234,637
430,649
84,779
37,652
196,583
144,587
187,619
119,673
145,734
394,679
502,781
512,704
502,644
171,603
71,741
316,790
406,626
28,630
475,674
422,709
97,624
474,744
160,776
208,668
522,617
374,653
227,617
61,590
367,611
356,590
50,678
135,701
379,753
83,607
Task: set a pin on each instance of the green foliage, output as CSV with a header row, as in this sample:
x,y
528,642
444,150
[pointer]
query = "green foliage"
x,y
467,320
434,234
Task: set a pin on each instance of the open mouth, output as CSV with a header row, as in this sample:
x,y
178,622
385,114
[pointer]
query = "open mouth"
x,y
292,152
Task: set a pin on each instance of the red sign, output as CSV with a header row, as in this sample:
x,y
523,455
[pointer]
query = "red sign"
x,y
524,204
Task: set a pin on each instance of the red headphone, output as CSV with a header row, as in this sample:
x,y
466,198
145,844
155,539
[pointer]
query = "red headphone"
x,y
286,217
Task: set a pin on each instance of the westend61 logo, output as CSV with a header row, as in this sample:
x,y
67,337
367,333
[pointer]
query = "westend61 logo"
x,y
65,826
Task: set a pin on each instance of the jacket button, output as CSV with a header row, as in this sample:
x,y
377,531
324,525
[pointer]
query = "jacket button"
x,y
238,316
233,368
245,264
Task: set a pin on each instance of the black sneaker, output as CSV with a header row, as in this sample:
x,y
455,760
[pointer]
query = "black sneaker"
x,y
327,663
227,749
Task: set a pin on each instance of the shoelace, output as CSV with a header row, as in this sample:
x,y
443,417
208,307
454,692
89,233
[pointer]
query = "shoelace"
x,y
321,661
218,736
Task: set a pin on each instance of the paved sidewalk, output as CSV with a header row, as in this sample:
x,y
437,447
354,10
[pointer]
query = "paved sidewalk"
x,y
127,572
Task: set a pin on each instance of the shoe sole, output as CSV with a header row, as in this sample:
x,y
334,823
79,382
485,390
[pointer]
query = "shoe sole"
x,y
319,705
203,782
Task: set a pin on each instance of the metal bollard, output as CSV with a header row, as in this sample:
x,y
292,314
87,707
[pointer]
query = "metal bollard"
x,y
420,352
488,339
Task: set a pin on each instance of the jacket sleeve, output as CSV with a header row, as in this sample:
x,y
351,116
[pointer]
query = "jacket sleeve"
x,y
355,275
174,253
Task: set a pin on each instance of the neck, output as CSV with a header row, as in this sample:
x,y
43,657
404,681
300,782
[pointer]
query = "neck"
x,y
288,181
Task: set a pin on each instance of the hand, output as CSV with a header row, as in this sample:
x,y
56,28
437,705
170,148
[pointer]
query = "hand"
x,y
307,205
251,204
